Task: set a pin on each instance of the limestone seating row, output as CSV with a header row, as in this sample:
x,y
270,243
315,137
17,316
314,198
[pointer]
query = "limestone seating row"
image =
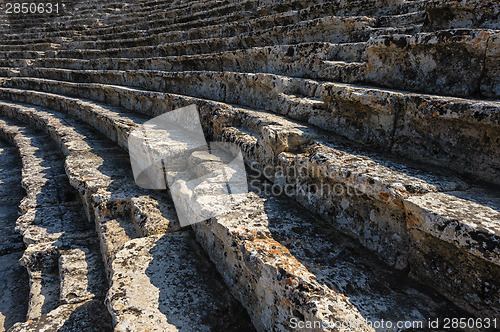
x,y
223,30
139,20
226,44
246,234
311,12
132,279
61,257
289,21
476,50
434,63
259,20
388,187
420,132
14,284
314,10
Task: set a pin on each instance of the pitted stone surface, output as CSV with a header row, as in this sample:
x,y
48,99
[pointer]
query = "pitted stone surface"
x,y
165,283
390,104
53,227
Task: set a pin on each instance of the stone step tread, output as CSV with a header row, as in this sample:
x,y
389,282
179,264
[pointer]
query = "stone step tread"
x,y
90,316
106,180
392,168
272,244
166,282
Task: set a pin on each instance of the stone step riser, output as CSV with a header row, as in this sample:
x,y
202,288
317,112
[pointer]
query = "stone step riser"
x,y
253,154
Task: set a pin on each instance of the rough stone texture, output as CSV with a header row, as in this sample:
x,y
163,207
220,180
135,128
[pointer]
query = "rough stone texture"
x,y
165,283
13,291
437,220
462,14
116,206
389,104
449,62
90,316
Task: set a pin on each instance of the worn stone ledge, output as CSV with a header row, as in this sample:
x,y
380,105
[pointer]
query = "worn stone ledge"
x,y
112,232
50,230
451,62
165,283
403,132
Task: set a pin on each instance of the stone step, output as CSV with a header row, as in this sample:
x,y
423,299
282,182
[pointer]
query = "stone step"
x,y
14,284
52,230
250,237
110,214
421,133
359,27
306,11
291,60
386,182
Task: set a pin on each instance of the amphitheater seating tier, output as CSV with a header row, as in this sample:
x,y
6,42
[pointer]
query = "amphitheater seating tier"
x,y
392,105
